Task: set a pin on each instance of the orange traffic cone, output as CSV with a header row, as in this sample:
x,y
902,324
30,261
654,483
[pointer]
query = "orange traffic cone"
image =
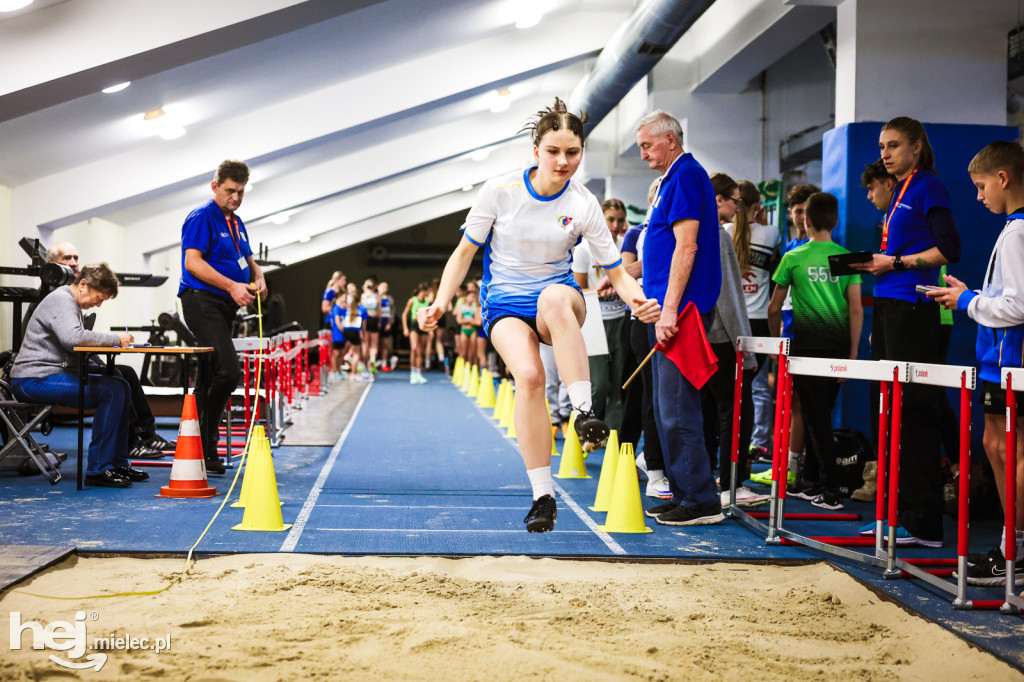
x,y
188,472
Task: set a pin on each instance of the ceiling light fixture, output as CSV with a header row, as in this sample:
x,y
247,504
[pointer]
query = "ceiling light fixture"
x,y
501,100
303,240
279,218
530,15
12,5
467,188
116,88
165,126
480,154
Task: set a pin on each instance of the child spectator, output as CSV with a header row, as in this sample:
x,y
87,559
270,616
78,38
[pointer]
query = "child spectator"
x,y
998,308
352,326
756,248
337,316
417,338
827,320
387,314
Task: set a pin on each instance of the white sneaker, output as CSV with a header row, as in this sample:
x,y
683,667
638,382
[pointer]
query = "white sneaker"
x,y
641,463
658,488
394,362
745,497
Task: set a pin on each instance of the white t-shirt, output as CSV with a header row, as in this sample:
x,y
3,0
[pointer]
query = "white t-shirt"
x,y
583,263
528,239
764,242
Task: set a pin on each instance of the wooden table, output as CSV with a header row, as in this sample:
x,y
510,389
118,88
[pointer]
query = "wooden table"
x,y
83,378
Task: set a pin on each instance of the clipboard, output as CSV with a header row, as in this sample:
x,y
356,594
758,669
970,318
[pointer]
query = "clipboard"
x,y
839,264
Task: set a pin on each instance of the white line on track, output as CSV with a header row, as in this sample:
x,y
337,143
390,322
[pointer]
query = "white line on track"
x,y
307,508
436,530
615,547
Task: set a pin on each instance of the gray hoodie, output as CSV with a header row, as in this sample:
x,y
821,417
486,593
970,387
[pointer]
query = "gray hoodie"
x,y
731,311
55,328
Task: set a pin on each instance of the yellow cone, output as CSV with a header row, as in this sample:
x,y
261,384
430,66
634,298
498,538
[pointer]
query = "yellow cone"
x,y
605,484
507,409
554,448
499,403
478,383
485,398
512,422
258,436
474,382
263,506
460,365
464,384
572,455
625,513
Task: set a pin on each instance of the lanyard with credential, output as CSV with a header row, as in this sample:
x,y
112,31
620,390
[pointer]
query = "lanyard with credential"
x,y
235,236
895,205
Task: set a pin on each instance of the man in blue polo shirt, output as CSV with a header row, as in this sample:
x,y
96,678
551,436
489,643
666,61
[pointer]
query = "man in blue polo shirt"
x,y
218,275
681,265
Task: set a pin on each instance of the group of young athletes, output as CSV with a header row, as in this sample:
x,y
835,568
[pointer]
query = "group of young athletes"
x,y
360,324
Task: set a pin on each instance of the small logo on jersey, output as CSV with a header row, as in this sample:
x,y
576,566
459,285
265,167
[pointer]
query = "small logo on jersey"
x,y
223,234
563,221
510,185
903,206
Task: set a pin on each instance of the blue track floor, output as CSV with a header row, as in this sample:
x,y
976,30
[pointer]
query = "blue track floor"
x,y
422,470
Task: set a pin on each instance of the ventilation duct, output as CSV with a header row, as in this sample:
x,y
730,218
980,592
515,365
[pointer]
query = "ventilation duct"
x,y
649,33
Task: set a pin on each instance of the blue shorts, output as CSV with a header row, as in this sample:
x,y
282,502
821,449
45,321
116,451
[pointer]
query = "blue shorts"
x,y
523,307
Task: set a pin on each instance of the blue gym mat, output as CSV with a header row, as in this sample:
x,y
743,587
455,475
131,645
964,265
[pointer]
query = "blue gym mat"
x,y
423,470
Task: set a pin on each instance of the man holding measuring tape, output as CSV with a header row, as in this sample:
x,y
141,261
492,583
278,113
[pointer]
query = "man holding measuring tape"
x,y
218,275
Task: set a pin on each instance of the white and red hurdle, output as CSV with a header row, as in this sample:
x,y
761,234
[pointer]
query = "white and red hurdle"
x,y
1012,603
892,376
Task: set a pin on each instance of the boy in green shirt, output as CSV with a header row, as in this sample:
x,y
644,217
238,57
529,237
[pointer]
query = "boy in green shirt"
x,y
827,320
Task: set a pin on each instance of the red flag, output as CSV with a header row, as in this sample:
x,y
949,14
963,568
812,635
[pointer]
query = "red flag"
x,y
689,348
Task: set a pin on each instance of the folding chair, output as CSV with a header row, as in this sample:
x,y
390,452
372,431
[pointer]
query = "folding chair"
x,y
19,432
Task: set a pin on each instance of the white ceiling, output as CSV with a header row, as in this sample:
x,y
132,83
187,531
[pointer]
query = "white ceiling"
x,y
348,112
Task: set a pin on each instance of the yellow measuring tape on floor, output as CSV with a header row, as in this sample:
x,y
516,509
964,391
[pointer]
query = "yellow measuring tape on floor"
x,y
227,496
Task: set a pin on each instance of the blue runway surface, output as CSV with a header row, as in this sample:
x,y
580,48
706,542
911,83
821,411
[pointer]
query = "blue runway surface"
x,y
422,470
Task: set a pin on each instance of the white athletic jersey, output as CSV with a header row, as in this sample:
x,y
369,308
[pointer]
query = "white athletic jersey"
x,y
583,263
764,243
528,239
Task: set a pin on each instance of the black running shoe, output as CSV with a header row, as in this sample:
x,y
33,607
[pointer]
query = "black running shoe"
x,y
829,499
542,515
215,466
657,509
692,516
805,493
142,451
592,431
131,473
158,442
990,569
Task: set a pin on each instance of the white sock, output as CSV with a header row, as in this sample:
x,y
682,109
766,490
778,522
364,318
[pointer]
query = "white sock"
x,y
655,474
794,463
580,395
540,480
1019,541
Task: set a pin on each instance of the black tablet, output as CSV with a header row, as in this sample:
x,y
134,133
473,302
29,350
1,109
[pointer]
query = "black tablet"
x,y
839,264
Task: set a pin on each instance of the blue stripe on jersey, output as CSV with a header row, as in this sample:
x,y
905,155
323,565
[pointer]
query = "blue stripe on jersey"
x,y
612,265
529,187
473,241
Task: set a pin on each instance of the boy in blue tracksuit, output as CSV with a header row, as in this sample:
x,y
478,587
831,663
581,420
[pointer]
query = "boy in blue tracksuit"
x,y
998,308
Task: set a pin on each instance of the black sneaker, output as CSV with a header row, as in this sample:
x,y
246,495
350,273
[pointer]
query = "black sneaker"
x,y
657,509
131,473
760,454
108,479
592,431
805,493
542,515
989,569
215,466
158,442
829,499
142,451
690,516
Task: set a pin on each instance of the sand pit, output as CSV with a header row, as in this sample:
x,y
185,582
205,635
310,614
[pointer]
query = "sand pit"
x,y
261,617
